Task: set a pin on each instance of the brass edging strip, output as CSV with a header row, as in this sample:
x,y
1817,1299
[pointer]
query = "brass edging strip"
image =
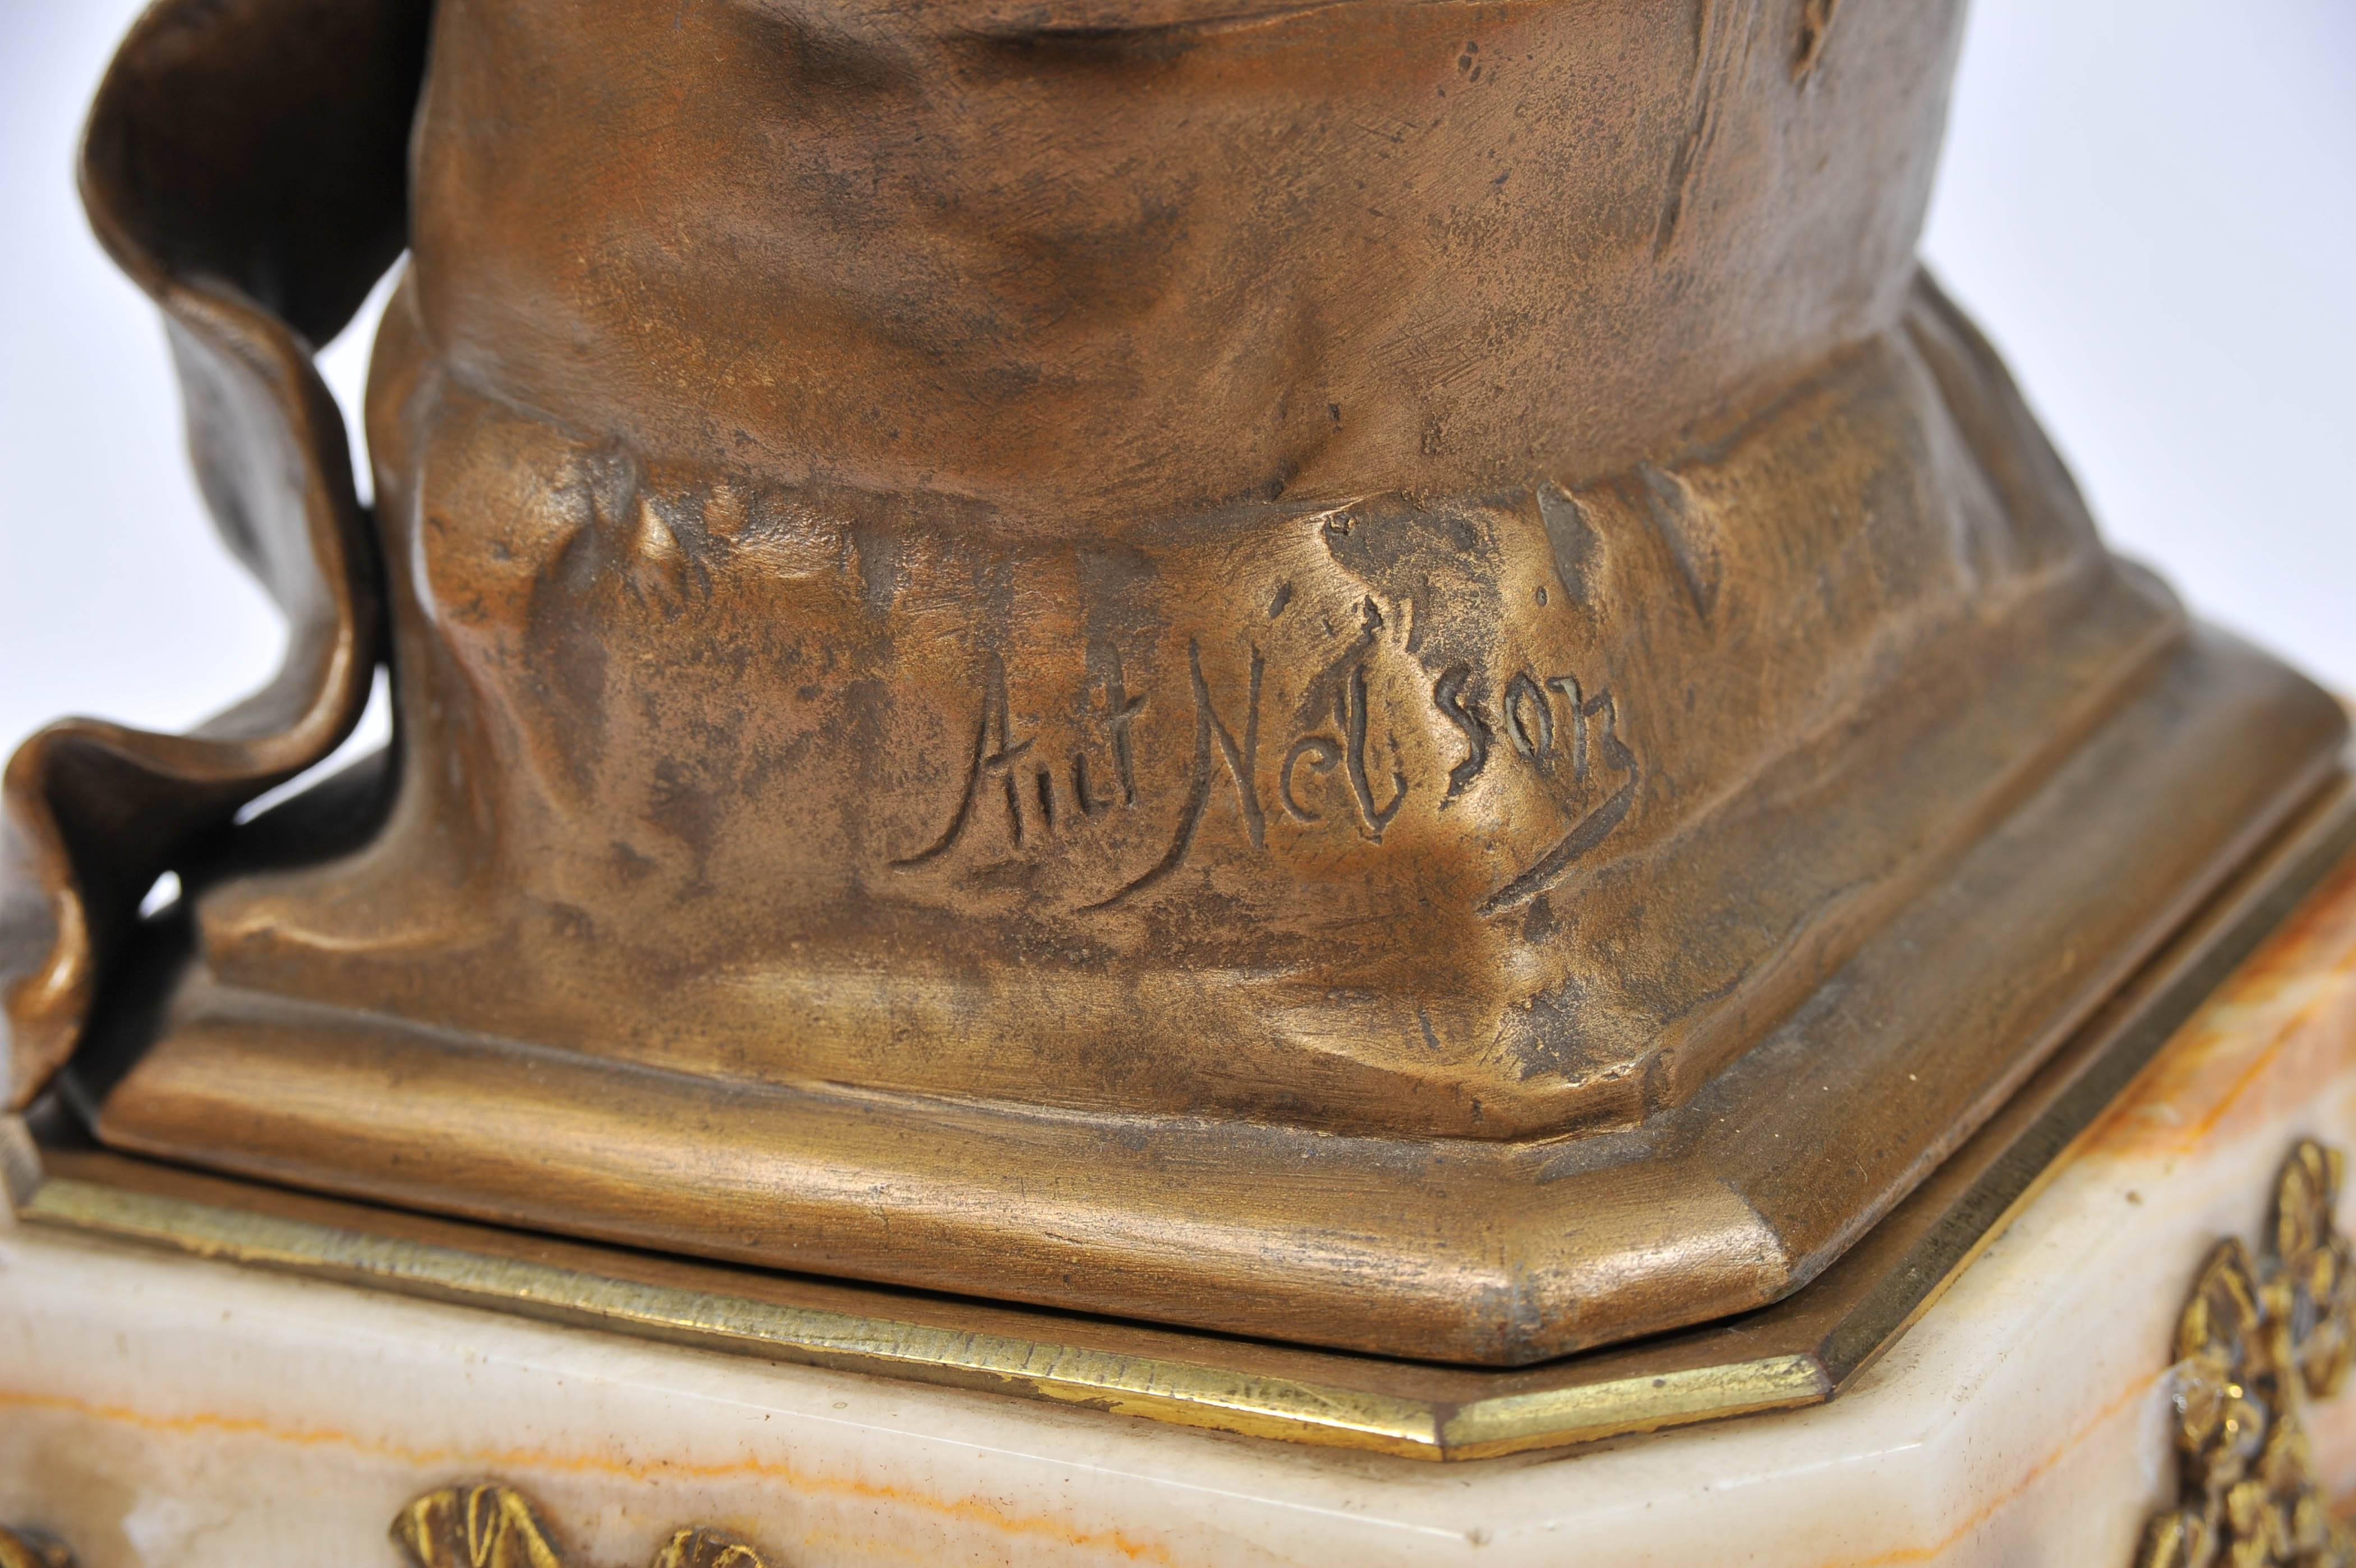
x,y
1551,1418
1167,1390
1172,1390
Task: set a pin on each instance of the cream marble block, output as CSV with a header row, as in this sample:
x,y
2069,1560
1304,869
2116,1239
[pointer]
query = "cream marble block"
x,y
157,1411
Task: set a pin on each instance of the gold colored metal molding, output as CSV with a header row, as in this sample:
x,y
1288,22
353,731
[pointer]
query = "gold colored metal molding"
x,y
28,1549
1801,1351
2259,1336
493,1526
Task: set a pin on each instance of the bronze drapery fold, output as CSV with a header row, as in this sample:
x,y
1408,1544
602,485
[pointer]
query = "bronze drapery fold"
x,y
245,164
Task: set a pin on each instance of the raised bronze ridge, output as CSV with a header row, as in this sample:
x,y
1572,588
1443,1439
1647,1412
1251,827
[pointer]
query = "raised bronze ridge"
x,y
1380,675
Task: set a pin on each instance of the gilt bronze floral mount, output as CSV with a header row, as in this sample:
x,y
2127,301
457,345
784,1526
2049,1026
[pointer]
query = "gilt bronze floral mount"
x,y
2261,1338
1371,675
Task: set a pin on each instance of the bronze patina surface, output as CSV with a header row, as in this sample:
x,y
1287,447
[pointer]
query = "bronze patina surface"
x,y
1374,673
1802,1350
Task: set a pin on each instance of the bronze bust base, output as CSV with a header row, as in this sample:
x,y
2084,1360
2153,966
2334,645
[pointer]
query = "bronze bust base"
x,y
1213,667
1494,1250
1805,1349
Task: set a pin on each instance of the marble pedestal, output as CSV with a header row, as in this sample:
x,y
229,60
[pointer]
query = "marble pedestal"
x,y
160,1409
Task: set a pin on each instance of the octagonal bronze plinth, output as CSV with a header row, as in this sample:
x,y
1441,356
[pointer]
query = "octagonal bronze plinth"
x,y
1377,675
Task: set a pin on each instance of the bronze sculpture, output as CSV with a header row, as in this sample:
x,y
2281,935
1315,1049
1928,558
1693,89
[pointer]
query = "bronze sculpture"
x,y
1373,674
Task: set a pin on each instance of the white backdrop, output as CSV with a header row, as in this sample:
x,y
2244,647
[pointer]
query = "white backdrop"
x,y
2150,204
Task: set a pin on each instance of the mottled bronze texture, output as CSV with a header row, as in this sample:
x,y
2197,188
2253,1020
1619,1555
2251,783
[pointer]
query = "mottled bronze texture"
x,y
1369,672
1803,1349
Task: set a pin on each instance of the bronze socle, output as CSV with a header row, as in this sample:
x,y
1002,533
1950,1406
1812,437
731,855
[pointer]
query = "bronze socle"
x,y
1805,1349
1366,674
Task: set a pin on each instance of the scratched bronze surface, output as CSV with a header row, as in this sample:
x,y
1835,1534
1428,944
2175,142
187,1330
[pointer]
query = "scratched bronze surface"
x,y
1374,673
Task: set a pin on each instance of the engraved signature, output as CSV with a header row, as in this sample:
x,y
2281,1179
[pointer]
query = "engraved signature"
x,y
1548,723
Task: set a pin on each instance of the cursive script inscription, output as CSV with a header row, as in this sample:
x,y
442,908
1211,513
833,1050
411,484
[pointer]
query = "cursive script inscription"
x,y
1373,818
1551,724
992,767
1321,754
1593,828
1321,750
993,758
1212,736
1120,709
1448,696
1529,719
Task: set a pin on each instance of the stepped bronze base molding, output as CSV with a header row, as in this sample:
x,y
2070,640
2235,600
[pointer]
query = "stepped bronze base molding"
x,y
1502,1253
1801,1351
1467,742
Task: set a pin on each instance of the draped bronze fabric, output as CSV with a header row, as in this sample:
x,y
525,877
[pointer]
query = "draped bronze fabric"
x,y
246,165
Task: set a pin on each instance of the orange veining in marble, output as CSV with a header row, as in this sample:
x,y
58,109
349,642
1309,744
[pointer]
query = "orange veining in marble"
x,y
2005,1500
513,1462
2285,1021
2284,1024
